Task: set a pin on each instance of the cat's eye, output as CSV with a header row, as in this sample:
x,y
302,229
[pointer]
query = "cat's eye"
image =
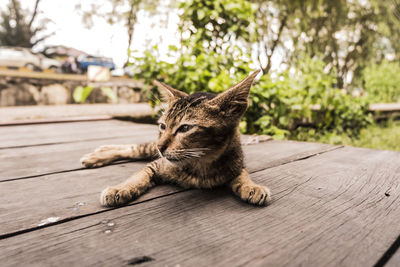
x,y
162,126
184,128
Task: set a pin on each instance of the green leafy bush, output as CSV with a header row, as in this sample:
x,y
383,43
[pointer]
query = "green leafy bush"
x,y
299,106
209,71
382,82
214,23
304,105
81,93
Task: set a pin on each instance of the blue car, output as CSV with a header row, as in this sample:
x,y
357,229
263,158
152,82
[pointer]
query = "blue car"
x,y
84,61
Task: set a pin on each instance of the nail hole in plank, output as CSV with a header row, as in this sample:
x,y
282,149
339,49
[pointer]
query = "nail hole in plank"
x,y
139,260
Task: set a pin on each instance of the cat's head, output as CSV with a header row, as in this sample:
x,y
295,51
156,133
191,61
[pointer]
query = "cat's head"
x,y
200,124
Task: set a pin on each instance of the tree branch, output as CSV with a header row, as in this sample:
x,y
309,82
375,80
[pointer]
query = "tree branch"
x,y
16,10
275,44
42,39
132,18
34,14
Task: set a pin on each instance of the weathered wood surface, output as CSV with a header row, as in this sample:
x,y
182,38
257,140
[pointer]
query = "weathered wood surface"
x,y
36,114
77,190
45,134
382,107
56,158
313,220
394,261
332,206
64,156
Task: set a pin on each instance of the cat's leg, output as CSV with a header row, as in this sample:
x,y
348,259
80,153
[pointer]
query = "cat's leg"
x,y
249,191
132,188
106,154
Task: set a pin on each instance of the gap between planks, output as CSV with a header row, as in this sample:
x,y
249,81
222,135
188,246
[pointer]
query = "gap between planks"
x,y
354,178
64,142
68,219
302,156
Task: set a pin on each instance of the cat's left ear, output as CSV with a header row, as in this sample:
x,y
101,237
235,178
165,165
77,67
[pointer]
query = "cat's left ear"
x,y
234,100
169,93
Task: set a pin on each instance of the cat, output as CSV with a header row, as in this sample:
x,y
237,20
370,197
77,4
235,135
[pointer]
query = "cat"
x,y
198,147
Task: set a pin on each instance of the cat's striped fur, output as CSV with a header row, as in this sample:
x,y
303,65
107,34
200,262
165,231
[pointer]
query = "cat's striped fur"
x,y
198,147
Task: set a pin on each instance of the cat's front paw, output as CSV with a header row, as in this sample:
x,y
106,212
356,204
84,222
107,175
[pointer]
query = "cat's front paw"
x,y
255,194
114,196
92,160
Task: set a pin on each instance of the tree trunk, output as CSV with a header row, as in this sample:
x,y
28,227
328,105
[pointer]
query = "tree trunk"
x,y
132,19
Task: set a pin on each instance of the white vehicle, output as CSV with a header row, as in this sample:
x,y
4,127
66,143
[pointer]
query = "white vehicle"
x,y
49,63
23,57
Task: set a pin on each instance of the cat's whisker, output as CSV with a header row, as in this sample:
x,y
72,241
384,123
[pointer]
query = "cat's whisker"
x,y
157,154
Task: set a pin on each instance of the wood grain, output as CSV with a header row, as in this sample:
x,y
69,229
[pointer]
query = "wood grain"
x,y
328,210
37,196
394,260
29,135
41,160
27,204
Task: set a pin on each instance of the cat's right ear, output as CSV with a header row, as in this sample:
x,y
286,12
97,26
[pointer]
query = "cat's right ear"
x,y
168,93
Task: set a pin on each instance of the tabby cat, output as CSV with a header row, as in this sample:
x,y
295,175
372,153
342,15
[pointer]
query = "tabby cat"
x,y
198,147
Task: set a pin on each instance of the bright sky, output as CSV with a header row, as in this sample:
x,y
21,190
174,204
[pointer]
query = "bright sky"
x,y
101,39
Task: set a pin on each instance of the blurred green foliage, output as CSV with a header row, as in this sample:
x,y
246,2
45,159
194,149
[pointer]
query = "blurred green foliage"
x,y
290,106
382,82
210,72
381,135
213,24
305,100
303,105
81,93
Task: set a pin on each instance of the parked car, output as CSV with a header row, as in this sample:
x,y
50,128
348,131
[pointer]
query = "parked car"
x,y
61,52
84,61
49,63
23,57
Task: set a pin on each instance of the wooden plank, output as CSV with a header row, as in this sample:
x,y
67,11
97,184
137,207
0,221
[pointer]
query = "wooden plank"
x,y
63,196
384,107
275,153
43,75
385,110
119,81
56,120
33,114
42,160
328,210
37,196
394,260
28,135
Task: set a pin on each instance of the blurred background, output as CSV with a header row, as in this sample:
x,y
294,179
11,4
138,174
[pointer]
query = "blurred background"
x,y
330,68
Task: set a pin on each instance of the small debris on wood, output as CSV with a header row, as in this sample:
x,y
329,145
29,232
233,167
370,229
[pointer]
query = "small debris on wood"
x,y
387,193
139,260
48,220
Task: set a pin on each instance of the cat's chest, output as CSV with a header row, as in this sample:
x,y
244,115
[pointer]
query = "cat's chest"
x,y
200,174
196,176
205,180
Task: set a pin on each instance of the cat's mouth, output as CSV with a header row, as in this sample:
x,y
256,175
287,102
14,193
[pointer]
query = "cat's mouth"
x,y
173,158
184,154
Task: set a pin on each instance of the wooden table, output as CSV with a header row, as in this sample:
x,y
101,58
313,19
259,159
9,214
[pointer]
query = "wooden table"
x,y
332,206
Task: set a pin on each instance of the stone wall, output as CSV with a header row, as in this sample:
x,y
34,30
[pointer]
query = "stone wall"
x,y
16,91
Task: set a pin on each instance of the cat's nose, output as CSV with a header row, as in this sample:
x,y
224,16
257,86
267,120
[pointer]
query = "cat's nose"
x,y
161,148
